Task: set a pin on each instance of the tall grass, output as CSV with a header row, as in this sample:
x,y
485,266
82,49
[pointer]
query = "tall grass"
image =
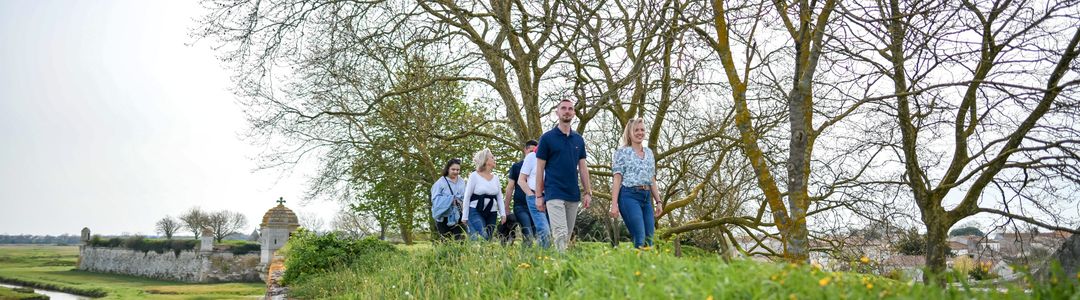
x,y
590,271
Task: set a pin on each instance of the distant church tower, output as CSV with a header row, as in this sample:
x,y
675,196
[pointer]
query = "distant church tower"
x,y
274,231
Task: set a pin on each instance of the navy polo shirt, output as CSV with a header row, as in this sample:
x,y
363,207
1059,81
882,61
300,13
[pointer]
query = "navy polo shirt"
x,y
519,195
562,153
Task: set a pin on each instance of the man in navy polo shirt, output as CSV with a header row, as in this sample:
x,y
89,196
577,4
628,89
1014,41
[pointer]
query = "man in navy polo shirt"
x,y
560,161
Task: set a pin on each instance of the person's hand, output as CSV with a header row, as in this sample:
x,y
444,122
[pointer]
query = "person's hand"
x,y
504,220
540,203
657,209
586,199
614,211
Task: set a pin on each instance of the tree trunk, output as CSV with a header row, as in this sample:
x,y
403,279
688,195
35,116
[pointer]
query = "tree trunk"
x,y
937,246
798,168
406,234
798,241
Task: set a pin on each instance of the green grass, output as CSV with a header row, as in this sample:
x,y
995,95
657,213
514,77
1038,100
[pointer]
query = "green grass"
x,y
13,294
53,266
591,271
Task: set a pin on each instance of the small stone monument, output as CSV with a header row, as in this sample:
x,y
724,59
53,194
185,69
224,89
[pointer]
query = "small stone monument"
x,y
206,241
85,235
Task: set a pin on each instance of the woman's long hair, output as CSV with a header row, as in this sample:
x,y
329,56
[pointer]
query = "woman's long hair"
x,y
451,162
629,130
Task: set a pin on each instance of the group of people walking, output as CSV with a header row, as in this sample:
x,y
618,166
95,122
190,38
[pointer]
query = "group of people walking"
x,y
544,188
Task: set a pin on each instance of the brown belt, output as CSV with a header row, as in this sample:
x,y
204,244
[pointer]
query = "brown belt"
x,y
642,187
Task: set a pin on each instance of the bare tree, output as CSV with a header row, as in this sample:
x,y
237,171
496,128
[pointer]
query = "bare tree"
x,y
353,223
805,24
194,219
982,92
224,223
167,226
630,59
311,221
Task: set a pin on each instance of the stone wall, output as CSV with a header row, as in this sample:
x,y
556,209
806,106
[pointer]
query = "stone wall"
x,y
187,266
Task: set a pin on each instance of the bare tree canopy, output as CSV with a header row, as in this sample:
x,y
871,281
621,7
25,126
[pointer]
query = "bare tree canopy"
x,y
194,219
985,91
167,226
224,223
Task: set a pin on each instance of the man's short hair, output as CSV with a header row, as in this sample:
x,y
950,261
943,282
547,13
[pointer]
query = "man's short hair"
x,y
566,100
531,143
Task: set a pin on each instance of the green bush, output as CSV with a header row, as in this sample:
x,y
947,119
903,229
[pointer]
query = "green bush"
x,y
309,253
140,243
241,249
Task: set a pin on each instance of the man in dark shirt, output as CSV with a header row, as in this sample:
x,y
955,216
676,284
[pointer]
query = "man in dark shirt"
x,y
521,207
560,162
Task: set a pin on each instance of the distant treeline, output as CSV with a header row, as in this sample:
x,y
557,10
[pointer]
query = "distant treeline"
x,y
64,239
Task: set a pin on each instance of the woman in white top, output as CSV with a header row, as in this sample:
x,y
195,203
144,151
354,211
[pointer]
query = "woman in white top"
x,y
484,193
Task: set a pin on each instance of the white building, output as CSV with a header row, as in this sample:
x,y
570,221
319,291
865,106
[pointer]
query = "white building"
x,y
277,225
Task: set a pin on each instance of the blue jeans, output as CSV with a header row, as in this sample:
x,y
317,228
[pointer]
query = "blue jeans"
x,y
481,224
539,222
636,209
524,219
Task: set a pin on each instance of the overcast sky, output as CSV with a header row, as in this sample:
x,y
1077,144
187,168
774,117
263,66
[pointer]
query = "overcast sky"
x,y
109,121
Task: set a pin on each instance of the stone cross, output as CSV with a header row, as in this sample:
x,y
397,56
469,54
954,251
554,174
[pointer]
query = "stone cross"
x,y
281,201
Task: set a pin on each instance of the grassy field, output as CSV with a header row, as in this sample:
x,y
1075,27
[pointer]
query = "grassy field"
x,y
53,266
594,271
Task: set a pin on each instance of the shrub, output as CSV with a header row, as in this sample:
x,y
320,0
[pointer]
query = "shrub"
x,y
964,264
241,249
982,272
309,253
140,243
115,242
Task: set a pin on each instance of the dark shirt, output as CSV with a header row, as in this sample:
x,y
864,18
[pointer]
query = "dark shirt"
x,y
519,195
562,153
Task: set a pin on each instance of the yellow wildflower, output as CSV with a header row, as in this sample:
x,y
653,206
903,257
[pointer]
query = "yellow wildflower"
x,y
864,260
824,281
869,286
792,297
709,297
637,273
524,266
